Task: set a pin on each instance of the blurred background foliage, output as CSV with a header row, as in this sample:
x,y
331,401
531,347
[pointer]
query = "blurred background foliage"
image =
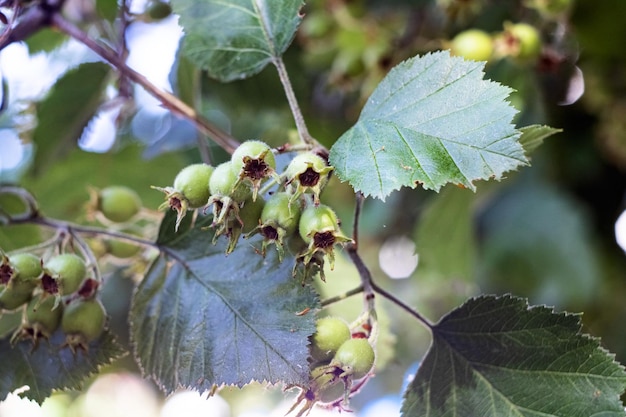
x,y
547,232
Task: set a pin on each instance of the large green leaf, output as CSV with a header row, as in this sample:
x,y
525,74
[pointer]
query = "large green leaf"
x,y
431,121
201,318
234,39
65,111
495,356
50,366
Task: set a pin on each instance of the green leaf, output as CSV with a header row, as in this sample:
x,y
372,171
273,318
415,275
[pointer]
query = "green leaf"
x,y
495,356
445,237
201,318
50,366
45,40
431,121
238,38
69,106
534,135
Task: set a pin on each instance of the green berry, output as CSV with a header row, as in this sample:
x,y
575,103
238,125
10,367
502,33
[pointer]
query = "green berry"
x,y
42,316
279,220
528,39
119,203
472,44
14,295
355,357
83,321
223,183
190,190
330,334
252,163
158,10
27,267
307,173
64,274
121,248
193,183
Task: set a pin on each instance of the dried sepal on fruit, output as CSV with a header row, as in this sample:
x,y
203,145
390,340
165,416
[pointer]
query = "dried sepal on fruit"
x,y
83,321
248,218
279,220
227,195
189,192
307,173
253,162
319,229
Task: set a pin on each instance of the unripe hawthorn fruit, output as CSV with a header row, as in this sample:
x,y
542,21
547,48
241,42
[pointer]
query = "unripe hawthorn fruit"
x,y
26,266
64,274
330,334
278,221
158,10
319,228
227,193
19,277
529,41
307,173
41,319
355,358
121,248
118,203
83,321
253,162
13,296
473,44
190,190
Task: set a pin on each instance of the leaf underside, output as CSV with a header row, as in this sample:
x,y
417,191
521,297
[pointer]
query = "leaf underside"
x,y
200,318
50,366
495,356
238,38
433,120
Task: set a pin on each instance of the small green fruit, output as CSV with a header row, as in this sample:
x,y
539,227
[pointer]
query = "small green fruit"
x,y
355,357
119,203
252,163
472,44
529,40
193,183
330,334
83,321
307,173
67,271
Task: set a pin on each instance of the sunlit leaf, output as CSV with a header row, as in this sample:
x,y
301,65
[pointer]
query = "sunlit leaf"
x,y
433,120
234,39
495,356
201,318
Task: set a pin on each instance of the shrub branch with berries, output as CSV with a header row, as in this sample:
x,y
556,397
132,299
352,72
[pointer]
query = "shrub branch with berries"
x,y
226,276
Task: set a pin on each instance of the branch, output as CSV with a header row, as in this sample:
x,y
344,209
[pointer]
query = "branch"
x,y
305,136
170,101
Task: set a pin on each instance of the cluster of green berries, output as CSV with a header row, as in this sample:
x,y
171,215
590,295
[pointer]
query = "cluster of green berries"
x,y
519,41
292,216
51,294
341,361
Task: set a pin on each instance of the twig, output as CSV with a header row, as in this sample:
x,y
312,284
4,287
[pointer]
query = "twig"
x,y
168,100
342,297
305,136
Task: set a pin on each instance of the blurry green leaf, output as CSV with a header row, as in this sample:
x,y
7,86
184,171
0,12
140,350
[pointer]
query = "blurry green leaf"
x,y
50,366
537,242
495,356
45,40
9,321
201,318
107,9
65,111
534,135
431,121
235,39
445,236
